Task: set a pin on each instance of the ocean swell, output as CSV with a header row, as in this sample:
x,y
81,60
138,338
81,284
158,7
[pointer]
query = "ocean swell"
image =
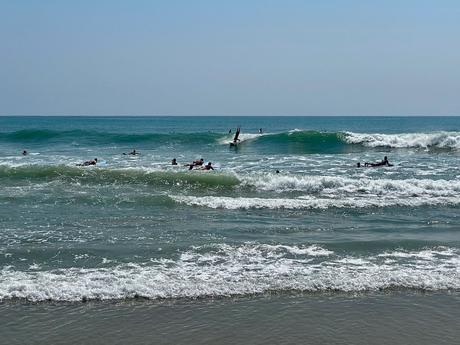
x,y
306,141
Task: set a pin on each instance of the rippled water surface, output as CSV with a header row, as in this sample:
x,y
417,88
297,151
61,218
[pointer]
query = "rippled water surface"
x,y
136,226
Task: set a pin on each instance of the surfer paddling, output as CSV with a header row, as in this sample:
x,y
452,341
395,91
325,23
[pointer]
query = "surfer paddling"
x,y
87,163
196,163
384,162
208,166
132,153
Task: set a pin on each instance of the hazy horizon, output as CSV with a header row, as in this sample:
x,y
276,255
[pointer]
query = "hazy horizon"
x,y
264,58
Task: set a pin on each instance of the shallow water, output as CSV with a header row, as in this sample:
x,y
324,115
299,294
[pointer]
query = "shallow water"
x,y
394,318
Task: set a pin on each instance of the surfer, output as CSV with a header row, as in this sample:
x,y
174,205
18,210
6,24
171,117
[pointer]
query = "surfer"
x,y
196,163
384,162
174,161
260,130
132,153
235,138
230,131
24,153
87,163
237,134
208,166
199,162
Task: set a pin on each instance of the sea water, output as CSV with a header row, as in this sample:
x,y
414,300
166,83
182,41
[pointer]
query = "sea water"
x,y
138,227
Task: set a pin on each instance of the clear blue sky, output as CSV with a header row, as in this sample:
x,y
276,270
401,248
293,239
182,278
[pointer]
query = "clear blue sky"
x,y
230,57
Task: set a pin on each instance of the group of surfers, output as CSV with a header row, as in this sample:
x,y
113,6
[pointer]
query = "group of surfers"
x,y
199,163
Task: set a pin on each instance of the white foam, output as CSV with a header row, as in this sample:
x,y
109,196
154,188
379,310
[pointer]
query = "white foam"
x,y
243,137
226,270
308,202
342,185
443,139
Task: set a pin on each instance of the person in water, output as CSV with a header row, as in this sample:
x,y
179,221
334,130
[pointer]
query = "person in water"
x,y
196,163
384,162
208,166
24,153
174,161
199,162
132,153
260,130
87,163
237,134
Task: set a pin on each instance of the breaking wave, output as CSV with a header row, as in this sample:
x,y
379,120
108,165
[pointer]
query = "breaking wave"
x,y
434,140
225,270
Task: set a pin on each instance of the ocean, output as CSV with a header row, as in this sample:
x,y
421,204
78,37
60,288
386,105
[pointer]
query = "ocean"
x,y
286,241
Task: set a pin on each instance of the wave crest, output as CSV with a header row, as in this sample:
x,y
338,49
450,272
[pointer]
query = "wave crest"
x,y
436,140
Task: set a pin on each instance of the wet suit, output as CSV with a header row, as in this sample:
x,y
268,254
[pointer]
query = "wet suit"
x,y
237,134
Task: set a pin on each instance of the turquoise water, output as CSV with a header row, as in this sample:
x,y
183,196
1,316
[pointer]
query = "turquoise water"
x,y
136,226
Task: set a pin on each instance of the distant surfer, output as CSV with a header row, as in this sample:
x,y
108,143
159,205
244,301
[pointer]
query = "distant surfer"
x,y
230,131
384,162
260,131
174,161
235,138
208,166
132,153
87,163
196,163
24,153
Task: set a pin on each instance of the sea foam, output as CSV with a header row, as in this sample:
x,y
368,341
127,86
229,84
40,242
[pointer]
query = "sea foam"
x,y
226,270
441,140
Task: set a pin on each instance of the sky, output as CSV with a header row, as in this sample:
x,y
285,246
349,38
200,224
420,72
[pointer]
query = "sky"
x,y
208,57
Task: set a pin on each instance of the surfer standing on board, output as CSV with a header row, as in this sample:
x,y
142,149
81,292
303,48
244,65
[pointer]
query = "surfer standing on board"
x,y
235,138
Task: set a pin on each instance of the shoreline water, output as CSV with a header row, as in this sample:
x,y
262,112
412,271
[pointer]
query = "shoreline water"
x,y
375,318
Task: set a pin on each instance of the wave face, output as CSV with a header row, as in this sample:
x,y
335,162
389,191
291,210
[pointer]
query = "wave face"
x,y
226,190
40,136
294,141
226,270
